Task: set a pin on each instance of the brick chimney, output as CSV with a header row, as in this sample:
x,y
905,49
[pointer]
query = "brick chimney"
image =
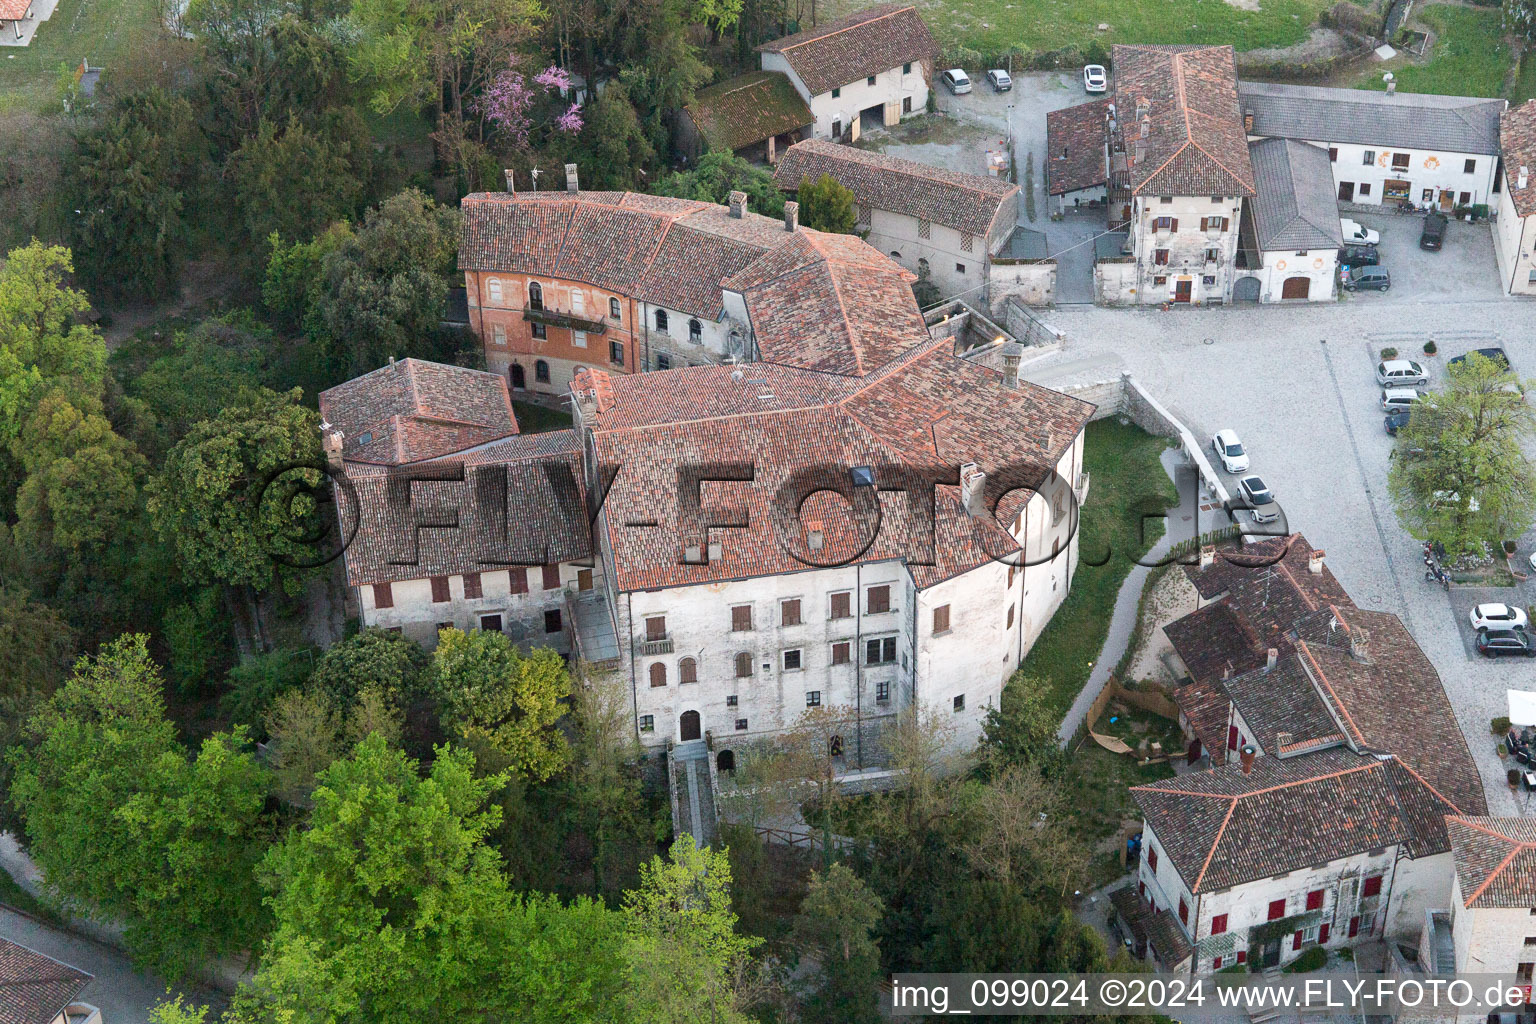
x,y
973,483
331,440
1315,562
1207,555
511,181
739,204
1271,656
1248,121
572,182
1360,644
1245,756
791,215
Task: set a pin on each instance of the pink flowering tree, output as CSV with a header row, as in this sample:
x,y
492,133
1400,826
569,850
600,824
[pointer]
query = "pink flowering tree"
x,y
509,102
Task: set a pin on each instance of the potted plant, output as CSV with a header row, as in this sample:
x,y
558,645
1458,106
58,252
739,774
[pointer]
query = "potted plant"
x,y
1389,353
1513,775
1429,348
1509,547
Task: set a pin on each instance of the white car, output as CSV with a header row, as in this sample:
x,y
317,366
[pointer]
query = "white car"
x,y
957,80
1095,78
1000,80
1497,616
1358,234
1259,498
1233,456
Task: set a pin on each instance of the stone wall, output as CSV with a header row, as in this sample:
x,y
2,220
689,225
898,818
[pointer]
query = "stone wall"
x,y
1033,284
1114,284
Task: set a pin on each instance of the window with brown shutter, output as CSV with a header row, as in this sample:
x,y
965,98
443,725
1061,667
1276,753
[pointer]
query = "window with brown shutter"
x,y
789,612
551,577
472,585
383,595
658,674
841,653
1160,257
517,580
583,579
741,618
687,671
941,619
878,599
842,606
743,665
656,627
1010,616
439,589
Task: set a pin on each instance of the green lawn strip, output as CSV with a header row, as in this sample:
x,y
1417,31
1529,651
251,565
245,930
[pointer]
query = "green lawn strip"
x,y
1127,481
111,34
536,419
13,895
994,26
1525,81
1102,805
1470,56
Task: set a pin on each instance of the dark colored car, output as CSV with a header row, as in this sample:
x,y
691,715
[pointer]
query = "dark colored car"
x,y
1496,354
1359,256
1367,279
1433,235
1395,421
1492,643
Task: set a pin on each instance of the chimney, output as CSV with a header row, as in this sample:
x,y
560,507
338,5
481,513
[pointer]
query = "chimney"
x,y
1141,151
1360,644
1246,756
1315,562
1282,740
1270,657
1143,107
1207,555
330,440
1146,127
1391,86
973,483
739,204
511,181
791,215
1010,371
572,182
1524,176
1248,121
1226,671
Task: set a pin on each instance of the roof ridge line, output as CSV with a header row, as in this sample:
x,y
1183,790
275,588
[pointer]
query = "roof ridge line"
x,y
1304,647
1465,820
1214,843
842,310
1426,784
812,39
1495,873
917,172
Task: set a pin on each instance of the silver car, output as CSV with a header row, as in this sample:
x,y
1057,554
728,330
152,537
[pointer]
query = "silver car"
x,y
1400,373
1260,500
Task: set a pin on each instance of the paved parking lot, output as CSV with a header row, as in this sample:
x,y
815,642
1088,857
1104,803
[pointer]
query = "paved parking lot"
x,y
1464,269
1297,384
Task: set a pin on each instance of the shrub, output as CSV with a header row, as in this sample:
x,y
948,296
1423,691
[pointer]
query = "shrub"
x,y
1429,348
1389,353
1311,960
1499,726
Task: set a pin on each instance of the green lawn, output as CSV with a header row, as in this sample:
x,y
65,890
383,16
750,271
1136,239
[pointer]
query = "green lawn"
x,y
993,26
1470,56
1102,806
1525,82
111,34
535,419
1127,481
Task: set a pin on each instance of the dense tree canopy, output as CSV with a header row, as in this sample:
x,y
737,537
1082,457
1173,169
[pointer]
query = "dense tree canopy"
x,y
373,658
826,205
503,703
717,175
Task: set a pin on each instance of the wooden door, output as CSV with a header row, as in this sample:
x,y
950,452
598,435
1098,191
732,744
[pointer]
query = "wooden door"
x,y
1447,201
1181,290
1296,288
688,726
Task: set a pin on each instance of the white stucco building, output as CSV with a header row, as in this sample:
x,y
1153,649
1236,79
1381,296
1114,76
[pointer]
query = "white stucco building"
x,y
870,68
1290,233
1493,897
942,225
1514,233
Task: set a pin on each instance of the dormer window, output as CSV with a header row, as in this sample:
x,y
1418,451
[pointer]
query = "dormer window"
x,y
862,476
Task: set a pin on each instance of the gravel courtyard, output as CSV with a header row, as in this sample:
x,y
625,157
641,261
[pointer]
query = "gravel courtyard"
x,y
1297,384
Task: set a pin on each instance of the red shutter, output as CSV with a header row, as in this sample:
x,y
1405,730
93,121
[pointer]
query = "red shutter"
x,y
472,585
1216,964
1173,224
1315,899
1322,934
517,580
439,589
551,577
1151,856
1242,956
383,595
1276,909
1354,927
1231,737
1372,886
1296,940
1183,911
1218,924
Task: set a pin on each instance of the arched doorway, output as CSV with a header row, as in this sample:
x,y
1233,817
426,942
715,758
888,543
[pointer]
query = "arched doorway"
x,y
688,726
519,377
1245,289
1296,288
725,761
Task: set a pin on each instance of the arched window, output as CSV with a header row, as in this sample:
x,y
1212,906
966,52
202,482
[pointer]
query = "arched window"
x,y
835,746
541,371
687,671
661,321
725,761
695,330
613,309
658,674
735,343
535,295
743,665
493,290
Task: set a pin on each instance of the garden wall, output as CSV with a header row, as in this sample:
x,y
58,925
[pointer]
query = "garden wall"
x,y
1114,284
1033,284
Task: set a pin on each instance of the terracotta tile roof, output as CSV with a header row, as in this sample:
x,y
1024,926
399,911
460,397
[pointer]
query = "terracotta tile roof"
x,y
413,410
864,43
35,989
688,267
542,519
970,203
1076,147
1517,143
1223,828
1195,144
1495,860
1215,642
1206,706
1282,700
747,109
14,10
930,409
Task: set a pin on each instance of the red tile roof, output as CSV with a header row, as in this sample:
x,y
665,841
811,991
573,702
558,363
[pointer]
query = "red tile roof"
x,y
970,203
413,410
35,989
1517,144
1495,860
1195,144
929,409
1076,147
864,43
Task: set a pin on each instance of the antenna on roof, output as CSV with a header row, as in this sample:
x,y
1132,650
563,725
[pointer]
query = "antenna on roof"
x,y
535,174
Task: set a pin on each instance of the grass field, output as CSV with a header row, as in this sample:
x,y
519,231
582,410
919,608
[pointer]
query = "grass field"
x,y
535,419
992,26
1127,481
1470,56
1525,82
108,33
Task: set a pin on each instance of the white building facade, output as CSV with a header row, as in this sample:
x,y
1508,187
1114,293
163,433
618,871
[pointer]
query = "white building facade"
x,y
1514,233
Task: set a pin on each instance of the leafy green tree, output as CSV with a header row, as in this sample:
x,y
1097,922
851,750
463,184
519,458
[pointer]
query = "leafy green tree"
x,y
175,1011
226,498
385,284
294,181
504,704
373,658
1021,730
613,143
122,822
717,175
304,740
686,961
256,682
130,186
197,633
837,922
36,645
390,905
295,276
1460,474
826,205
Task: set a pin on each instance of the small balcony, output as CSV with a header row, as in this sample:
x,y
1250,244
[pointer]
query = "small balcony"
x,y
569,321
651,646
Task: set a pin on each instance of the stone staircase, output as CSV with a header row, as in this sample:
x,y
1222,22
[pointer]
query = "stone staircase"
x,y
692,794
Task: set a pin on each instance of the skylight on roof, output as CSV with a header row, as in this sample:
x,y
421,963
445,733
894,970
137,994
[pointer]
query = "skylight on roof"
x,y
365,437
862,476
